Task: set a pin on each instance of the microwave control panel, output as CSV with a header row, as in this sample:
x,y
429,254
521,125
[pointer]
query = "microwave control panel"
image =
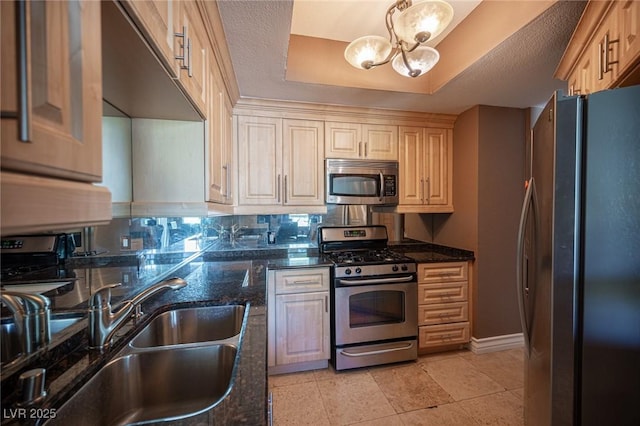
x,y
390,186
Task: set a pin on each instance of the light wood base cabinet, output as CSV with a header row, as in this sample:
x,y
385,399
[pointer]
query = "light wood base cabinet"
x,y
443,306
298,319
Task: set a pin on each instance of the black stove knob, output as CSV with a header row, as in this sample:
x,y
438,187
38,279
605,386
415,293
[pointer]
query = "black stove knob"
x,y
394,268
358,270
347,271
404,267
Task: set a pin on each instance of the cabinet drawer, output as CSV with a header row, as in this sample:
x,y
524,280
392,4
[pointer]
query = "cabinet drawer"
x,y
441,272
302,280
443,293
438,335
443,313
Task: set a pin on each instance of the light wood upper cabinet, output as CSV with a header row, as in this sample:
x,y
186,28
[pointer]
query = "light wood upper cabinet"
x,y
604,50
219,130
629,27
159,19
303,162
51,143
194,46
361,141
426,170
280,162
175,31
63,90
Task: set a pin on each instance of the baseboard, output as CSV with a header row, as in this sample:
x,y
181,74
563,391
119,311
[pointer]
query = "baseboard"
x,y
496,343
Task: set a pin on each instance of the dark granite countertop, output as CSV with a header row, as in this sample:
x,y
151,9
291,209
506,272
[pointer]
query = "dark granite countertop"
x,y
232,275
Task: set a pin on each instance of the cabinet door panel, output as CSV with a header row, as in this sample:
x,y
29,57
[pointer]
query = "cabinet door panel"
x,y
443,313
343,140
198,56
380,142
437,181
302,332
303,162
411,165
64,91
259,159
301,280
448,334
220,142
629,28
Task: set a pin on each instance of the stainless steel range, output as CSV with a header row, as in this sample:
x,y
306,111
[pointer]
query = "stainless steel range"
x,y
374,313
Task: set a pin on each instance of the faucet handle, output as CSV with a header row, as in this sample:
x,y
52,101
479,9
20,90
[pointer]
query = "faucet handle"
x,y
102,296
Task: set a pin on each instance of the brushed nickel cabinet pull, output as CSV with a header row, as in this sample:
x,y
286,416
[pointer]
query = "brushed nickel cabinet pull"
x,y
278,189
285,189
186,50
24,118
607,50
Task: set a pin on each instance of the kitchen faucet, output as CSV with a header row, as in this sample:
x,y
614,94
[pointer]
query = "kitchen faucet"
x,y
103,322
31,316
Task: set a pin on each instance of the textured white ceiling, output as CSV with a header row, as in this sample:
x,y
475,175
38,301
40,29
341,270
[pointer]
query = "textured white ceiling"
x,y
346,20
517,73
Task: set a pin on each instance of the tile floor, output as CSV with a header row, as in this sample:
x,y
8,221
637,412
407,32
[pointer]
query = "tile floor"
x,y
448,389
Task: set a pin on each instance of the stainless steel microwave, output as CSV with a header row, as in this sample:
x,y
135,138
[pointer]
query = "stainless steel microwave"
x,y
361,182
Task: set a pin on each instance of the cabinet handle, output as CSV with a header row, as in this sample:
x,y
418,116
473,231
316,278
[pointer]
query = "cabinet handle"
x,y
359,149
278,188
225,167
326,303
186,56
285,189
608,49
24,119
573,91
422,190
427,198
366,153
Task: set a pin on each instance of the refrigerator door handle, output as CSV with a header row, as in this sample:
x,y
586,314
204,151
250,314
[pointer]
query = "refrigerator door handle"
x,y
521,268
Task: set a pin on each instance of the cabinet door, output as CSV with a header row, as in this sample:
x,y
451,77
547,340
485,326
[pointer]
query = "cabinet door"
x,y
303,162
343,140
411,164
259,160
157,20
380,142
63,90
219,122
193,78
606,57
302,330
629,29
437,183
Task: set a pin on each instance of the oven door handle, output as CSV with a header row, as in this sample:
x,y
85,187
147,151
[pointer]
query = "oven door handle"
x,y
378,352
377,281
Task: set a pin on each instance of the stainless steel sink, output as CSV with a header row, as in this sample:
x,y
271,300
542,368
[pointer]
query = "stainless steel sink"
x,y
10,344
191,325
151,386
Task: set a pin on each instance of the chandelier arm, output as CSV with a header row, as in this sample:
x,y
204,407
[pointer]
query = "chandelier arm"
x,y
412,72
412,48
388,59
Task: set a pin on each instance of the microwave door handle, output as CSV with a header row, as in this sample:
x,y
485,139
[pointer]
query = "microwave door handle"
x,y
381,186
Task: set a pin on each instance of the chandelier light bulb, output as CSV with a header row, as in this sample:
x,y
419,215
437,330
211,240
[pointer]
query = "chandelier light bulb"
x,y
420,60
423,21
366,51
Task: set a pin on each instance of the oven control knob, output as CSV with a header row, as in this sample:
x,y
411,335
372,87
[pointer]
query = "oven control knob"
x,y
394,268
347,271
404,267
358,270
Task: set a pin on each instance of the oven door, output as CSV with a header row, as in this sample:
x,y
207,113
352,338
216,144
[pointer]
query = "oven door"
x,y
369,310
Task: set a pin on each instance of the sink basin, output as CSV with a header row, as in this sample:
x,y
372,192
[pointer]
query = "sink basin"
x,y
10,344
191,325
152,386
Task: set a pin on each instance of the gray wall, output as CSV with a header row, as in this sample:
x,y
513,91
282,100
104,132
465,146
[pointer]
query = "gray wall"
x,y
488,182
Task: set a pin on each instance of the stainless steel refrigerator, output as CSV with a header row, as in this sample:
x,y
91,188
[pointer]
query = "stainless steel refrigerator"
x,y
579,262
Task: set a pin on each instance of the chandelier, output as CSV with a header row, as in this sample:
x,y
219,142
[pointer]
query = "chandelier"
x,y
416,24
